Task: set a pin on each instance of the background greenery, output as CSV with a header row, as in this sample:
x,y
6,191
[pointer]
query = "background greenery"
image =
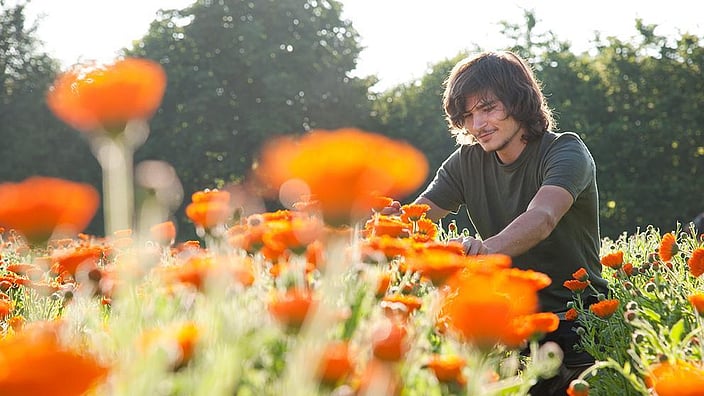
x,y
241,72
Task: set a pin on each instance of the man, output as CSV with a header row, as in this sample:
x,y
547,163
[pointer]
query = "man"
x,y
529,192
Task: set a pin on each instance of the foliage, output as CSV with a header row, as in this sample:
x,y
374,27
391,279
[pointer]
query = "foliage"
x,y
243,71
655,321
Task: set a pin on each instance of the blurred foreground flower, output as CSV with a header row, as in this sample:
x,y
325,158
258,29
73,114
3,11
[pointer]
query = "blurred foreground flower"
x,y
93,97
503,303
342,170
34,362
676,379
39,207
112,104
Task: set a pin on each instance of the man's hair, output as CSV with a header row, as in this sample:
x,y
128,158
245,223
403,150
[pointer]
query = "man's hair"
x,y
506,76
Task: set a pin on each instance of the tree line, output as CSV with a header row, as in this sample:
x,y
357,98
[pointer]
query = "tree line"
x,y
241,72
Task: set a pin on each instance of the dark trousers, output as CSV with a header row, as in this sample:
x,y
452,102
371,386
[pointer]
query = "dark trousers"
x,y
573,363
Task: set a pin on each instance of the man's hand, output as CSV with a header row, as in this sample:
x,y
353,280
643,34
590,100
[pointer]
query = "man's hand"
x,y
472,246
393,209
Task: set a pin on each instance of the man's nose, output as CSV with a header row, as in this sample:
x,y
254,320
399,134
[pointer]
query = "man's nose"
x,y
478,121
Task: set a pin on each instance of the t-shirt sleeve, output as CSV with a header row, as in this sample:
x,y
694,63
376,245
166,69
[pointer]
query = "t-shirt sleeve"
x,y
568,164
446,190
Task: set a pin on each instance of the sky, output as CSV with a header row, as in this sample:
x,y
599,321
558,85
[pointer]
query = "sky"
x,y
401,38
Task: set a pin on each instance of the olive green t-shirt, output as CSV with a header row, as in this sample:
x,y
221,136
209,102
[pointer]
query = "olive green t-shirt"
x,y
496,193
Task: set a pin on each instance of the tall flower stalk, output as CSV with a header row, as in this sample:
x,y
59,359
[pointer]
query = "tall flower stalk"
x,y
111,104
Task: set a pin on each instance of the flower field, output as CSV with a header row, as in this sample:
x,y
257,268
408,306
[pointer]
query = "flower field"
x,y
327,296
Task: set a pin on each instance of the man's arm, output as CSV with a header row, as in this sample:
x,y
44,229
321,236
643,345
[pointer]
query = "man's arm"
x,y
435,213
534,225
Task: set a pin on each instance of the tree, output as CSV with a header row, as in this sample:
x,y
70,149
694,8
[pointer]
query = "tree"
x,y
34,142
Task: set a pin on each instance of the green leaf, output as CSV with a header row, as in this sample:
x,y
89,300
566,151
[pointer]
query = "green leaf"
x,y
652,314
676,332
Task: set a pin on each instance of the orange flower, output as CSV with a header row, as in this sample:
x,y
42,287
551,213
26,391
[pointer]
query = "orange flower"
x,y
336,363
581,274
485,302
613,260
291,307
571,314
209,208
386,245
164,233
576,286
413,212
180,339
84,258
696,262
6,307
34,362
435,264
89,97
378,203
628,269
425,230
447,368
338,171
389,340
384,225
410,302
604,309
198,270
24,268
294,234
676,379
697,301
40,206
668,247
578,387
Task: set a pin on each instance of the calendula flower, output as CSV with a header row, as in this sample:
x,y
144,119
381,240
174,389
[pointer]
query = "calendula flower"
x,y
677,378
484,303
163,233
696,262
180,339
336,363
35,362
379,203
294,234
604,309
576,286
338,171
414,212
436,264
6,307
83,258
571,314
199,269
39,207
410,302
386,226
425,230
668,247
581,275
448,368
389,340
92,97
628,269
697,301
385,245
578,387
613,260
209,208
291,307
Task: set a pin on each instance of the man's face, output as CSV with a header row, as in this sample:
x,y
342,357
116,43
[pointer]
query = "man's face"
x,y
487,120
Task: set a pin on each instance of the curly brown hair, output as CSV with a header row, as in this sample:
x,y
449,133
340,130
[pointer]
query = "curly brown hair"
x,y
506,76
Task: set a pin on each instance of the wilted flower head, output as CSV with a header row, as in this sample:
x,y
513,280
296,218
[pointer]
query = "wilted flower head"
x,y
93,97
335,169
